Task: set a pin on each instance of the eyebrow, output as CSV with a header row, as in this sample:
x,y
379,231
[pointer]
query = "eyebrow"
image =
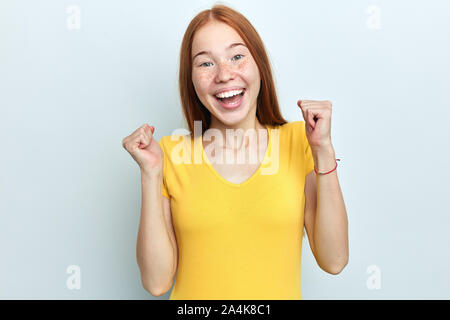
x,y
229,47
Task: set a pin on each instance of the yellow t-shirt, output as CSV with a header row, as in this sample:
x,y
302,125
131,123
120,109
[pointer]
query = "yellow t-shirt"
x,y
238,241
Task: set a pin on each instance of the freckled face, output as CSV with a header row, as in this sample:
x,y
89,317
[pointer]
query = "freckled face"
x,y
224,67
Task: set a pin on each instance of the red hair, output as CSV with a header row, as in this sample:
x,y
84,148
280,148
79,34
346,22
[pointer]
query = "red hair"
x,y
267,108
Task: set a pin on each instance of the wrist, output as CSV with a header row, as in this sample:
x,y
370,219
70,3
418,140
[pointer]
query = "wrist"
x,y
324,159
151,173
325,151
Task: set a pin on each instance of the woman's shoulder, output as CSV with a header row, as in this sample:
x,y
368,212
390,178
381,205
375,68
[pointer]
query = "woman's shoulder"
x,y
176,143
295,124
173,139
291,127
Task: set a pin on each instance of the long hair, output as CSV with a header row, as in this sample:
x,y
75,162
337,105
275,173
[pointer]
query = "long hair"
x,y
267,109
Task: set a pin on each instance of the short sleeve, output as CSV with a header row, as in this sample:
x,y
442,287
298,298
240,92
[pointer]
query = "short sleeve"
x,y
309,160
165,191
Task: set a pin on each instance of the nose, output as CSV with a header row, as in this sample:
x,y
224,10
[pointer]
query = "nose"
x,y
225,72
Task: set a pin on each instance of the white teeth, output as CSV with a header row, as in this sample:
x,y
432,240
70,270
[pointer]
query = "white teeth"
x,y
229,93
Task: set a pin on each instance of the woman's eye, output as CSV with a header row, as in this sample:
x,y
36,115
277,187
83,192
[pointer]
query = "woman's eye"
x,y
238,55
233,58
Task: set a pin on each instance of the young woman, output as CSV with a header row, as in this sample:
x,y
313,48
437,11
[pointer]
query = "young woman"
x,y
232,229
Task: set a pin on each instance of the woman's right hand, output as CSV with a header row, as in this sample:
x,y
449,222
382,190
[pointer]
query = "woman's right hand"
x,y
144,149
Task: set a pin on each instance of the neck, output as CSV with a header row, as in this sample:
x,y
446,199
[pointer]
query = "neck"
x,y
245,126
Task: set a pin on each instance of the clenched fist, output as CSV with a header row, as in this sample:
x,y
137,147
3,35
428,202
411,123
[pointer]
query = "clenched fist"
x,y
144,149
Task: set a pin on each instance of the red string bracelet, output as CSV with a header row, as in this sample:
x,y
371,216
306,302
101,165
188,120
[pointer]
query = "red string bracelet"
x,y
322,173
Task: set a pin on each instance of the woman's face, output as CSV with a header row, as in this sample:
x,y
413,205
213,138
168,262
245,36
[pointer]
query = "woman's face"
x,y
224,67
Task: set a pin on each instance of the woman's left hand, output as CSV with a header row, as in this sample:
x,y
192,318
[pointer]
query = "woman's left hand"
x,y
317,115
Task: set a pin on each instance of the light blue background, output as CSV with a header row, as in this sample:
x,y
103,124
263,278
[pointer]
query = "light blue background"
x,y
70,194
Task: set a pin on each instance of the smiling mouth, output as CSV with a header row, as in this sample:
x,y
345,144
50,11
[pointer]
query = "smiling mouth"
x,y
233,102
226,99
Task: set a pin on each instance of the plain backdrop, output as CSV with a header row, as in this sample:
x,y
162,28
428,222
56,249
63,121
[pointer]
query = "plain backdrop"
x,y
78,76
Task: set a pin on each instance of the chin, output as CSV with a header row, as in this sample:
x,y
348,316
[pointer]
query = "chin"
x,y
233,119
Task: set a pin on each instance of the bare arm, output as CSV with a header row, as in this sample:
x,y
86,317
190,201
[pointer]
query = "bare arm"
x,y
326,216
156,249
